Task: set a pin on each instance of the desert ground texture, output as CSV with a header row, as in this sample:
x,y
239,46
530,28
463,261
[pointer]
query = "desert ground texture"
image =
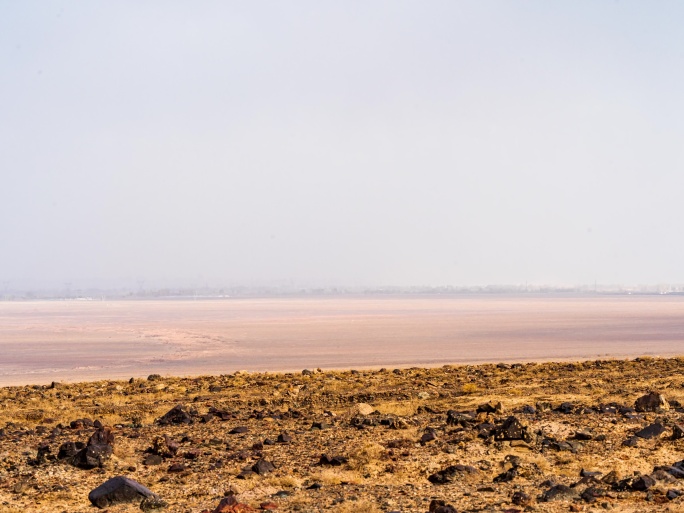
x,y
69,341
602,435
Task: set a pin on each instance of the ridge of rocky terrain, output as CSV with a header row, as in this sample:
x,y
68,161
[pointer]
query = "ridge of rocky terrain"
x,y
587,436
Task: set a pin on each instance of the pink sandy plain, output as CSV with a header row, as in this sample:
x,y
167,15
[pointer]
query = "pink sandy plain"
x,y
44,341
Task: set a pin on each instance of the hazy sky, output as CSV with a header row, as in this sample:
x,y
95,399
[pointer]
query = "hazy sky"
x,y
341,143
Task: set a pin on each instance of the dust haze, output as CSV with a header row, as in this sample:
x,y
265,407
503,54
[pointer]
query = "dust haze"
x,y
351,144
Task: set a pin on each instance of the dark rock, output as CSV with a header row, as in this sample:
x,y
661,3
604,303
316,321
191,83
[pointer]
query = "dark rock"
x,y
320,425
69,450
152,459
117,490
439,506
238,430
543,406
643,483
455,418
335,461
632,441
80,423
611,478
558,492
153,377
315,486
93,456
512,429
652,401
673,494
677,432
448,474
429,436
560,446
592,493
507,476
230,504
653,431
675,471
263,467
583,434
191,454
609,409
586,473
662,474
44,453
486,408
521,499
103,436
528,409
566,408
284,438
176,415
176,467
485,430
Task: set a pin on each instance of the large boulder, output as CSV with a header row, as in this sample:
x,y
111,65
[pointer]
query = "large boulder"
x,y
118,490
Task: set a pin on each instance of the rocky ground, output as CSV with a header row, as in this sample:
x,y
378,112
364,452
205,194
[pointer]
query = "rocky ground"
x,y
590,436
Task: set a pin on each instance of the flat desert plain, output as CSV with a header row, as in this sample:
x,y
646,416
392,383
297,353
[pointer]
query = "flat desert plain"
x,y
46,341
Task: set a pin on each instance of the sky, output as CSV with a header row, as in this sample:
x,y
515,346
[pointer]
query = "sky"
x,y
320,143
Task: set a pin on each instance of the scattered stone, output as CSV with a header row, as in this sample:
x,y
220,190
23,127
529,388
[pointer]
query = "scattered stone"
x,y
674,494
512,429
118,490
652,431
176,415
439,506
263,467
284,438
80,423
559,492
583,434
448,474
231,505
677,432
632,441
238,430
521,499
335,461
176,467
652,401
643,483
591,493
152,459
429,436
152,504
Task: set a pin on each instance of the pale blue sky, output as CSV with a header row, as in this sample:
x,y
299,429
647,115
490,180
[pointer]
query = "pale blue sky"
x,y
341,143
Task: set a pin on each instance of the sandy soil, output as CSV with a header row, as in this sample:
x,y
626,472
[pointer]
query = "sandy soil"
x,y
76,340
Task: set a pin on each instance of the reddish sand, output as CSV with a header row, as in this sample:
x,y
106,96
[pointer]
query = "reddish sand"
x,y
77,340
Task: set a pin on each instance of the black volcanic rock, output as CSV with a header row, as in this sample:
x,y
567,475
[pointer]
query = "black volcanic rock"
x,y
118,490
176,415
